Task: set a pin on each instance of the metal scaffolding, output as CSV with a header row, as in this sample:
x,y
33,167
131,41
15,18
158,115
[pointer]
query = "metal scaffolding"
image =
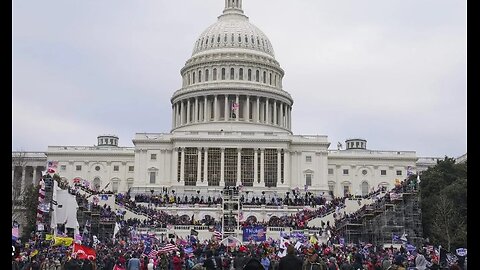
x,y
231,211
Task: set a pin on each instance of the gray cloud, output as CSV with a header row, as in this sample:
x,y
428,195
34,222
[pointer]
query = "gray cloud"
x,y
392,72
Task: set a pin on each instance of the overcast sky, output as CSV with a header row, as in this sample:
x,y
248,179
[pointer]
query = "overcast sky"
x,y
391,72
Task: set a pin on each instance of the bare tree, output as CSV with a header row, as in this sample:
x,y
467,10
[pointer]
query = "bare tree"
x,y
447,227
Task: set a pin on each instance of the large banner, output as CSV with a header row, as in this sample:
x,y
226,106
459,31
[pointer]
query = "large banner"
x,y
257,233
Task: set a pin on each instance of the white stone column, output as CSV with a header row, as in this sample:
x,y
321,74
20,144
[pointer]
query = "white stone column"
x,y
275,116
262,167
239,166
205,113
267,116
215,108
257,116
173,116
196,112
279,167
286,169
255,167
281,115
182,113
188,112
174,166
182,166
227,116
222,167
289,117
177,118
199,165
205,166
34,175
247,115
238,110
24,171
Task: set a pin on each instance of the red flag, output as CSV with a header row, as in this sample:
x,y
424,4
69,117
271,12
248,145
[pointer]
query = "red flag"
x,y
84,252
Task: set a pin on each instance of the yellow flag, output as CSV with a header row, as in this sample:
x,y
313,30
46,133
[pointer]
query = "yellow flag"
x,y
35,252
313,240
48,236
63,241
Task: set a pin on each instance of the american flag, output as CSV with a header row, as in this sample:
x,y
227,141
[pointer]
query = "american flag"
x,y
153,254
52,166
217,234
168,247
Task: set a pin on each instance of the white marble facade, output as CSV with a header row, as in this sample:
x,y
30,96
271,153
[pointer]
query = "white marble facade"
x,y
231,125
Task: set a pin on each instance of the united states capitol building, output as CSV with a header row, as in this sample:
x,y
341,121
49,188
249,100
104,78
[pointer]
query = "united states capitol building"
x,y
231,126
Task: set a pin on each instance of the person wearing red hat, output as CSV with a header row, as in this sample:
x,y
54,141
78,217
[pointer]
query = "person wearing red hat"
x,y
241,258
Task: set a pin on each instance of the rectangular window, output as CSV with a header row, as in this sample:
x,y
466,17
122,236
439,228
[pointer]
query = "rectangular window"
x,y
131,168
308,158
190,168
247,170
399,172
270,167
152,177
383,172
213,166
78,167
153,156
230,170
115,168
115,187
330,171
63,167
345,171
346,190
308,179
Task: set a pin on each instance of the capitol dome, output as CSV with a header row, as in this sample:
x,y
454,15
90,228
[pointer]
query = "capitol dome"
x,y
232,81
233,30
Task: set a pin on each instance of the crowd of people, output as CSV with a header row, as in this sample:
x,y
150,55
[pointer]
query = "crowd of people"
x,y
129,250
146,252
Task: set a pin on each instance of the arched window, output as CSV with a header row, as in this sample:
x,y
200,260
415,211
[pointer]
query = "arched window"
x,y
214,74
213,39
275,81
257,76
246,39
225,38
239,39
206,75
223,73
364,188
193,77
218,39
188,78
264,77
199,76
96,183
240,74
206,41
270,78
233,38
201,44
249,74
232,74
253,40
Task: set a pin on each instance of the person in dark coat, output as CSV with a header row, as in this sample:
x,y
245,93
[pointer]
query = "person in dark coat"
x,y
290,261
241,259
210,263
253,264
